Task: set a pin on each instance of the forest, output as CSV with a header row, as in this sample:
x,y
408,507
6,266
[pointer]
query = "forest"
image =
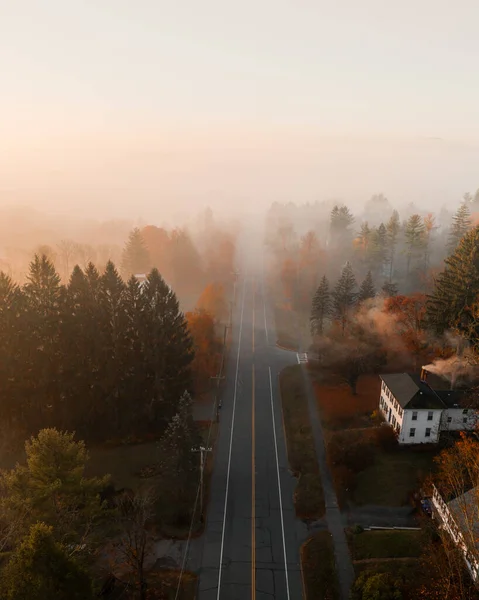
x,y
375,290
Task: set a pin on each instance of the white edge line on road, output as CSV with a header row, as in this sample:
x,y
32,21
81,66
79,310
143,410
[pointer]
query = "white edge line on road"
x,y
279,486
231,445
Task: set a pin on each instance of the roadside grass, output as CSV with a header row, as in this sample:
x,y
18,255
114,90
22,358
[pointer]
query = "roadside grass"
x,y
393,477
286,325
308,499
368,470
319,569
385,544
340,409
125,464
163,584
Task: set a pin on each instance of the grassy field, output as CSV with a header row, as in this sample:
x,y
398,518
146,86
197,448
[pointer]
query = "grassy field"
x,y
340,409
385,544
309,500
319,569
392,477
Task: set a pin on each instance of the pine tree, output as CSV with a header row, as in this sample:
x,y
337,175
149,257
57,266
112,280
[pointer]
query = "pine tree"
x,y
341,219
362,242
168,348
178,461
389,289
393,228
44,297
367,290
13,354
115,344
461,224
457,287
321,307
377,250
136,258
344,296
414,233
40,568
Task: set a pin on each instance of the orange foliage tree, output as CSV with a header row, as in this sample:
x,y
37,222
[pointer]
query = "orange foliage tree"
x,y
206,345
213,301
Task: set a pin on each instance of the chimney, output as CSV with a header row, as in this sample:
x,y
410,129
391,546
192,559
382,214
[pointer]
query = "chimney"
x,y
423,374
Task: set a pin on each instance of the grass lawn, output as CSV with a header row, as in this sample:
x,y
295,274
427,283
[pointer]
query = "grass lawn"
x,y
393,476
309,500
319,569
340,409
124,463
385,544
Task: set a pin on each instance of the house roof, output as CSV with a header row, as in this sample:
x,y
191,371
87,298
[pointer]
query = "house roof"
x,y
453,398
465,511
411,392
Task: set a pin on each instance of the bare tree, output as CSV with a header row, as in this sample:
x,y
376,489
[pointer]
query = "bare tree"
x,y
66,251
135,513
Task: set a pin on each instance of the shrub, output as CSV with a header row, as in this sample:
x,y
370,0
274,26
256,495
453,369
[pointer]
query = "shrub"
x,y
376,586
386,438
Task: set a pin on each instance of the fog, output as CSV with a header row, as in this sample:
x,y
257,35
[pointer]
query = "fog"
x,y
165,178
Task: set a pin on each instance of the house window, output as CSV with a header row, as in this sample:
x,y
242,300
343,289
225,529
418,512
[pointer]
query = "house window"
x,y
428,432
464,420
412,432
464,412
429,415
394,421
449,419
414,415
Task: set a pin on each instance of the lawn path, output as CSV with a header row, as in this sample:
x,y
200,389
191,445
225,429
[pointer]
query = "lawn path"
x,y
334,518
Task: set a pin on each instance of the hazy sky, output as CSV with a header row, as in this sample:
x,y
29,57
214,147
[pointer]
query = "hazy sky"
x,y
111,97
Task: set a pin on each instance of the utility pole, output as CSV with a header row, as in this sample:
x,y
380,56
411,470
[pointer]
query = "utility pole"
x,y
202,450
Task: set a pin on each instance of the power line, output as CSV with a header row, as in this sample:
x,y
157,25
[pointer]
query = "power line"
x,y
198,491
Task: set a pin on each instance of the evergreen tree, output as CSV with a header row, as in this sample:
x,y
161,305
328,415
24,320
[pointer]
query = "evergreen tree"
x,y
115,344
168,348
44,298
377,251
321,307
461,224
344,296
393,228
13,349
179,462
52,487
457,287
341,220
389,289
414,234
367,290
41,568
136,258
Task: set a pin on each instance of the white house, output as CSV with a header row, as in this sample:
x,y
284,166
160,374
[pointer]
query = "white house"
x,y
460,519
419,412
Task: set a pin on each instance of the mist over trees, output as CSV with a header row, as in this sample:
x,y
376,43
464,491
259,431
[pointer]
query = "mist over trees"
x,y
385,287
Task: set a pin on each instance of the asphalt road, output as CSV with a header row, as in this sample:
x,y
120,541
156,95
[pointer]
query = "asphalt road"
x,y
251,542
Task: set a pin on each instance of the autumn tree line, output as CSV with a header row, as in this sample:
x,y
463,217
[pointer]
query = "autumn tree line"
x,y
402,253
104,355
